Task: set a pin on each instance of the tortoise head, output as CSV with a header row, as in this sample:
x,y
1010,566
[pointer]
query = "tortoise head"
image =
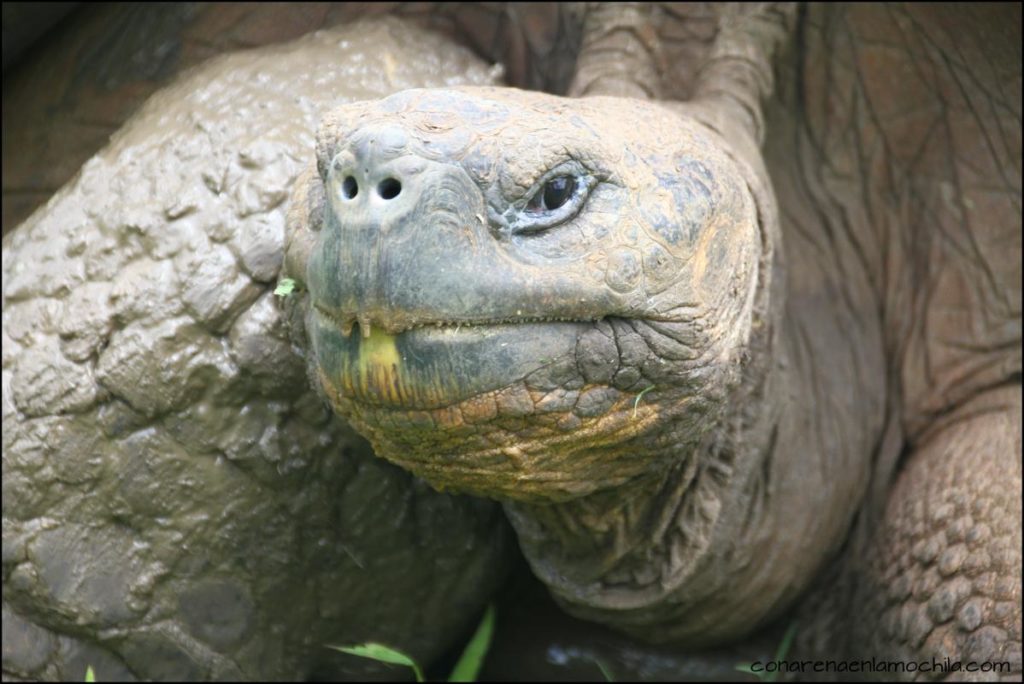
x,y
524,296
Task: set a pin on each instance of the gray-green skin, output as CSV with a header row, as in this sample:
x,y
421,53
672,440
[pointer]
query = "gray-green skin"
x,y
717,373
177,502
795,417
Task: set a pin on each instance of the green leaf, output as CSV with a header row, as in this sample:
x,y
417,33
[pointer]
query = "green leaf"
x,y
285,287
90,676
472,658
384,654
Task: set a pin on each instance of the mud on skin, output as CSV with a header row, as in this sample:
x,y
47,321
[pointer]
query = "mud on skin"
x,y
177,502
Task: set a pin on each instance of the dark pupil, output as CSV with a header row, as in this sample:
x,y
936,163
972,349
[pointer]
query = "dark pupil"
x,y
557,191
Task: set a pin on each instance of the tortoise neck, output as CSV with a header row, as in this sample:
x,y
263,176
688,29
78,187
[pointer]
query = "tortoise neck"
x,y
662,556
727,536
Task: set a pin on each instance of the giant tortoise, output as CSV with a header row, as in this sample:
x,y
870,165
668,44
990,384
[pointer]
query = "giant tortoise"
x,y
731,332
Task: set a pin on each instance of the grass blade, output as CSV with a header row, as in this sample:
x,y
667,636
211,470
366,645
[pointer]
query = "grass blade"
x,y
636,404
783,650
780,654
384,654
472,657
606,671
90,676
749,669
787,641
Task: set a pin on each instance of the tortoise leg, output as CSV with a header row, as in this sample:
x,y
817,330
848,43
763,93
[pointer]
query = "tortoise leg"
x,y
942,578
620,54
683,52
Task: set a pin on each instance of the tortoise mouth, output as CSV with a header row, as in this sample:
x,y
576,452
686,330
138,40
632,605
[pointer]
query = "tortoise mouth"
x,y
366,325
430,365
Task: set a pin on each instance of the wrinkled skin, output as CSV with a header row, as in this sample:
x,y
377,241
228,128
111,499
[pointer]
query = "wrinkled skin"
x,y
667,276
684,396
380,283
661,271
920,160
819,399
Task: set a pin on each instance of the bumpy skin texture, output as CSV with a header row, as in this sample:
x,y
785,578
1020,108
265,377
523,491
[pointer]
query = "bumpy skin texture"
x,y
104,61
943,574
177,503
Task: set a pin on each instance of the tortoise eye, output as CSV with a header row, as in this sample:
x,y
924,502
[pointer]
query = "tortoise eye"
x,y
555,193
558,196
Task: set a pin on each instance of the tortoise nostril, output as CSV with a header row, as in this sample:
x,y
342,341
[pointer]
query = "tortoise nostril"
x,y
349,187
389,188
